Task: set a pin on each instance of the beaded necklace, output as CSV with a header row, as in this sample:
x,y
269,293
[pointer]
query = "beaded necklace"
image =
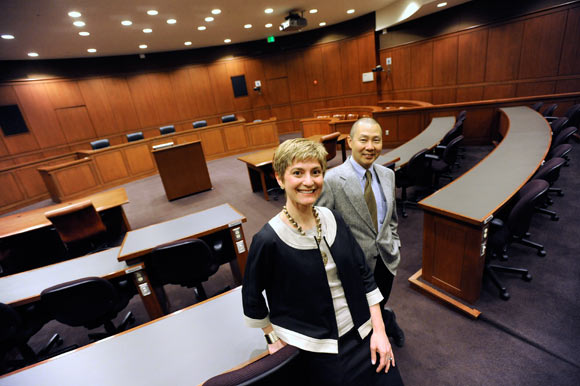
x,y
299,228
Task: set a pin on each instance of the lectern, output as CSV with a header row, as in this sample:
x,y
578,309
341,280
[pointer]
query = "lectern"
x,y
183,169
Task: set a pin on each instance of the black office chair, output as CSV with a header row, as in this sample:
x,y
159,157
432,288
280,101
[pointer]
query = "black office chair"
x,y
414,173
441,165
514,229
537,106
280,369
550,172
558,124
198,124
186,262
17,326
167,129
100,144
228,118
90,302
549,111
573,115
560,146
132,137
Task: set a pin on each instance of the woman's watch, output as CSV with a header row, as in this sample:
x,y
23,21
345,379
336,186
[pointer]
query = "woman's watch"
x,y
271,337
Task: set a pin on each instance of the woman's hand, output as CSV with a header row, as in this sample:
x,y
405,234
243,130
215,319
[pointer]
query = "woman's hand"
x,y
380,346
277,345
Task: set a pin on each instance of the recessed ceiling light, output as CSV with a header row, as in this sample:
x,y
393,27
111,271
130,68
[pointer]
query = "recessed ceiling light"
x,y
152,12
7,37
74,14
268,10
441,5
147,30
84,33
216,11
33,54
92,50
201,27
350,11
126,22
187,43
247,26
322,24
313,10
227,40
269,25
209,18
79,23
142,46
171,21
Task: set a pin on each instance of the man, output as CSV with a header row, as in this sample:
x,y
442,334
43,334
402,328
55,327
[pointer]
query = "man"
x,y
364,194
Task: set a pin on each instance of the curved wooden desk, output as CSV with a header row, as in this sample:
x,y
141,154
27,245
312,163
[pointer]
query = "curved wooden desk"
x,y
457,216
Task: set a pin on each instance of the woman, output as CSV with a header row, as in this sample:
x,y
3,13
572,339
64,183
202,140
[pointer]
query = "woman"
x,y
321,294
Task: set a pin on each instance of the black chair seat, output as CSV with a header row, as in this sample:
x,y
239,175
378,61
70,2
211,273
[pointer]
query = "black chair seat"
x,y
132,137
100,144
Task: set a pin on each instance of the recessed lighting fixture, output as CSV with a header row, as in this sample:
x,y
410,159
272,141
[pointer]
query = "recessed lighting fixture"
x,y
269,25
322,24
147,30
247,26
142,46
79,23
126,22
33,54
441,5
84,33
7,37
227,40
187,43
92,50
209,18
216,11
350,11
171,21
313,11
152,12
74,14
201,27
268,10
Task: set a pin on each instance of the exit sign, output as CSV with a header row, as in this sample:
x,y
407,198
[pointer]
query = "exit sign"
x,y
270,39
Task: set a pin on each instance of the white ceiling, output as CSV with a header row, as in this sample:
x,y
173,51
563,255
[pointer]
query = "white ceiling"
x,y
44,27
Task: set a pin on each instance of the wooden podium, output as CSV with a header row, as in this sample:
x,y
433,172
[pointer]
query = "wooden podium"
x,y
183,169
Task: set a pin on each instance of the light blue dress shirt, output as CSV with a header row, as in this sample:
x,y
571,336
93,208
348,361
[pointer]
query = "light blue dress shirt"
x,y
379,196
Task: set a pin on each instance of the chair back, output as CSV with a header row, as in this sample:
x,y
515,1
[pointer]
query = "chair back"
x,y
280,368
550,170
167,129
558,125
339,116
415,172
198,124
520,216
454,132
461,116
550,110
76,222
132,137
100,143
573,114
563,136
186,262
228,118
329,141
351,116
537,106
450,152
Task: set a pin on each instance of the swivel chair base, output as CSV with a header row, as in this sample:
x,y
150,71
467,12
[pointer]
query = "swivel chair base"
x,y
490,270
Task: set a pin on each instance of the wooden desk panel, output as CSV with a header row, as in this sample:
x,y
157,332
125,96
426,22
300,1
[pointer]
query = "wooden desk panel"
x,y
72,179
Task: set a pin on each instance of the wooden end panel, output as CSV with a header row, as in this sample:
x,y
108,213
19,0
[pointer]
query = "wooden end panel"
x,y
111,166
139,159
265,134
315,126
186,138
75,180
235,136
212,142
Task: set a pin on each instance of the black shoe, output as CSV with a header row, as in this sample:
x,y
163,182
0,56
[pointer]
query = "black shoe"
x,y
393,329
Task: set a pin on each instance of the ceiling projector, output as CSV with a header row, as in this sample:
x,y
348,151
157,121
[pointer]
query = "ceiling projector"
x,y
293,22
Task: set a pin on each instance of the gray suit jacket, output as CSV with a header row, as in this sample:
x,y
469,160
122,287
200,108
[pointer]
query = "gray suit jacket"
x,y
342,191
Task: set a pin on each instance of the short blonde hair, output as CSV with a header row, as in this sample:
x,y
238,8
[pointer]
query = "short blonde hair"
x,y
296,150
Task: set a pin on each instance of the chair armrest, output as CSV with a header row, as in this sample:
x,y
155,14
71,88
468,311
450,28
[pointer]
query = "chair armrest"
x,y
496,222
441,147
432,156
551,119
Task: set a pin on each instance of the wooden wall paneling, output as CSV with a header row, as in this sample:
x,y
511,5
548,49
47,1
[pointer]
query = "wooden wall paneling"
x,y
390,123
445,61
275,66
331,65
569,63
186,138
3,148
255,71
424,96
349,66
235,137
403,95
77,180
369,100
422,65
400,76
75,124
305,109
111,165
120,99
282,112
535,88
30,181
335,102
354,101
471,56
478,124
236,67
262,134
139,158
55,151
568,85
98,107
163,97
64,94
296,76
313,70
80,146
503,52
144,100
7,97
6,163
212,142
367,61
289,127
202,89
541,46
184,94
468,94
442,96
410,125
11,192
265,113
221,88
39,116
277,91
499,91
